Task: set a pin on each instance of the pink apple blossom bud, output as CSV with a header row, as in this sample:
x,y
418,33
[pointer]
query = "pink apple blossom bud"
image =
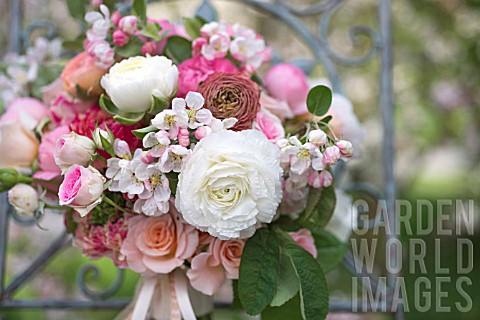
x,y
317,137
202,132
183,137
346,149
197,46
116,16
149,48
120,38
331,155
128,24
320,179
24,198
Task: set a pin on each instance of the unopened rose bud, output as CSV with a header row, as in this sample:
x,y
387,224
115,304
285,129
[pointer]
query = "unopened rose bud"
x,y
120,38
98,141
346,149
73,149
24,198
320,179
317,137
128,24
331,155
202,132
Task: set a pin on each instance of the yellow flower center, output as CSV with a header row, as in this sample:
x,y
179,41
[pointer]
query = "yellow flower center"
x,y
128,66
303,154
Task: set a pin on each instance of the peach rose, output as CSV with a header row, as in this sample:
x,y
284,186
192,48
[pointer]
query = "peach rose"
x,y
158,244
221,261
33,107
304,239
82,71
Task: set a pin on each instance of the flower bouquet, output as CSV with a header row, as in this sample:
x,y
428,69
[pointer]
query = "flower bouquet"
x,y
172,156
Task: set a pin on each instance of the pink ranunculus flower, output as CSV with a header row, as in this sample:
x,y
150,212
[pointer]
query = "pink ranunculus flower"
x,y
65,108
288,83
304,239
159,244
270,125
81,189
73,149
197,69
34,108
221,261
277,107
46,161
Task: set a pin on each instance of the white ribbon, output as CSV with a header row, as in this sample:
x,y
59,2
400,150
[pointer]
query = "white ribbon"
x,y
144,298
183,299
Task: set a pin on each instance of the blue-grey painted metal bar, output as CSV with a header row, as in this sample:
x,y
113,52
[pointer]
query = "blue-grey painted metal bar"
x,y
95,272
3,239
15,25
37,264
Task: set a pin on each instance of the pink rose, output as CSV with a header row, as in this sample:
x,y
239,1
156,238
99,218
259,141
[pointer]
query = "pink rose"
x,y
288,83
278,108
304,239
34,108
18,143
81,189
73,149
158,244
221,261
269,125
197,69
46,161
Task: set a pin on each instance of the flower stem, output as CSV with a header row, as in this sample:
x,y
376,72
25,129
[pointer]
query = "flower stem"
x,y
49,206
113,204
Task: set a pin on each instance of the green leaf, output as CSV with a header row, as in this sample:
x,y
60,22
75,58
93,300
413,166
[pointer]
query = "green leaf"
x,y
193,26
287,284
152,30
290,310
236,304
158,105
107,146
129,118
141,133
313,285
107,105
173,181
330,250
320,206
139,9
76,8
131,49
179,49
259,269
319,100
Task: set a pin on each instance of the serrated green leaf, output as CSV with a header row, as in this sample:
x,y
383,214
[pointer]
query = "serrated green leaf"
x,y
236,304
129,118
76,8
330,250
319,210
290,310
131,49
313,285
139,9
178,49
141,133
259,269
319,100
287,284
107,105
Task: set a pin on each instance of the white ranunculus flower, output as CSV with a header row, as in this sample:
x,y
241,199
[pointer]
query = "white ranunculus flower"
x,y
132,82
344,218
230,182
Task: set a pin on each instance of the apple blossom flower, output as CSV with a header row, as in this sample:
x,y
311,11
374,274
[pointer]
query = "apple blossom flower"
x,y
300,155
73,149
157,142
100,23
331,155
172,119
320,179
212,28
128,24
24,198
172,158
246,46
196,115
317,137
217,46
81,189
154,200
346,149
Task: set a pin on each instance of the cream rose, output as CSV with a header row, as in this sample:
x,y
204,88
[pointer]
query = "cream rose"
x,y
73,149
131,83
24,198
230,182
